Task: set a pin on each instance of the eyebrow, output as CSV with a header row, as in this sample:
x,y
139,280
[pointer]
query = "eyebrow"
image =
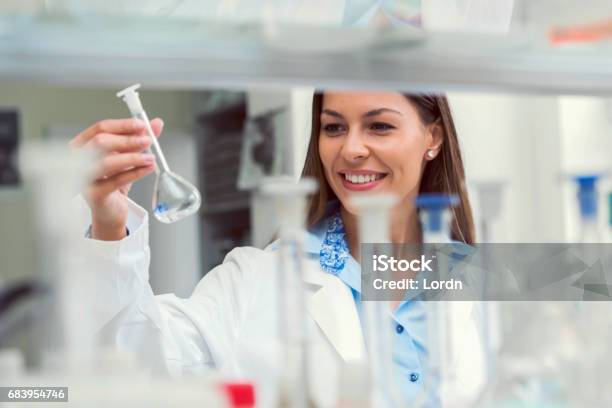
x,y
371,113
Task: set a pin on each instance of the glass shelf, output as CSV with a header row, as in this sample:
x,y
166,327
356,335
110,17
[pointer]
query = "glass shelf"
x,y
184,54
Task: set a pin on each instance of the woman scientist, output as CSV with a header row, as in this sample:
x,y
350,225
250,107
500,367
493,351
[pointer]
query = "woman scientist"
x,y
403,144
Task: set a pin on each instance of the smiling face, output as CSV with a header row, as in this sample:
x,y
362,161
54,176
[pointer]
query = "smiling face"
x,y
374,142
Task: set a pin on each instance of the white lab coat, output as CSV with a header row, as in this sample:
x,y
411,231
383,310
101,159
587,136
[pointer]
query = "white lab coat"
x,y
230,322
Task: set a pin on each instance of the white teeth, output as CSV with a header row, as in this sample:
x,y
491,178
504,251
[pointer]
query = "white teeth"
x,y
361,179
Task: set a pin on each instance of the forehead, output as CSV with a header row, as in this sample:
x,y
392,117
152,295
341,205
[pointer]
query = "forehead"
x,y
360,102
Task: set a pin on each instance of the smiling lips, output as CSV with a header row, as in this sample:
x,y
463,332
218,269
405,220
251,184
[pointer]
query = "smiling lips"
x,y
361,180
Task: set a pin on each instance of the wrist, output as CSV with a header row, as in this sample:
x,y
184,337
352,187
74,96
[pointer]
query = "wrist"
x,y
105,232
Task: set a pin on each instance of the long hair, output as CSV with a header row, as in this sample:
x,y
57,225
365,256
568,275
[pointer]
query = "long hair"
x,y
443,174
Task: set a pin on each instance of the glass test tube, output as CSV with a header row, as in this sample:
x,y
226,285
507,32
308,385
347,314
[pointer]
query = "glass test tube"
x,y
490,200
374,228
289,200
435,220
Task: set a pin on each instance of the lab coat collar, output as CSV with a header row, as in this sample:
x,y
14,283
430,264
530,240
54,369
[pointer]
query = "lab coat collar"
x,y
332,305
333,309
326,242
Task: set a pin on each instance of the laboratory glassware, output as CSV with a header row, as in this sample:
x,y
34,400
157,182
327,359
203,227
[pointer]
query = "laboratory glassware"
x,y
54,177
592,318
174,198
562,347
489,195
435,217
289,198
587,201
610,209
374,228
490,199
610,214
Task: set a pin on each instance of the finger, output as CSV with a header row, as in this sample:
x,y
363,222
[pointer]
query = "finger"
x,y
157,125
114,164
104,187
116,126
108,142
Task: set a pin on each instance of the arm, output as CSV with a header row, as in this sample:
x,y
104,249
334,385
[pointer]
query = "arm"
x,y
167,334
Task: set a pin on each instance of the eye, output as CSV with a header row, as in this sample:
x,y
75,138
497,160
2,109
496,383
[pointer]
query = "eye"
x,y
381,127
334,129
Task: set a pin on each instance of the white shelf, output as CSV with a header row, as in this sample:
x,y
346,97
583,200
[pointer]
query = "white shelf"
x,y
189,55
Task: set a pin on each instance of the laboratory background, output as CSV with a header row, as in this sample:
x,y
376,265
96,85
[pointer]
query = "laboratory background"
x,y
530,89
532,145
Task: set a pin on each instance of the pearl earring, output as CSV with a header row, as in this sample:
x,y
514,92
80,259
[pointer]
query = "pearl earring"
x,y
431,154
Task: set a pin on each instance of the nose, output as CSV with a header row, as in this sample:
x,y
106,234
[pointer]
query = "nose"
x,y
354,147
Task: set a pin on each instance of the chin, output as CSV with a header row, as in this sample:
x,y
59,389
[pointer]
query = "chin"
x,y
348,207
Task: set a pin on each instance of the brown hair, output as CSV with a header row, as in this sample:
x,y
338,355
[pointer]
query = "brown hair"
x,y
444,174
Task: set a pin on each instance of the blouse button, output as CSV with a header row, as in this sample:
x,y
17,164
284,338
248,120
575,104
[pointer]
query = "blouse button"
x,y
414,377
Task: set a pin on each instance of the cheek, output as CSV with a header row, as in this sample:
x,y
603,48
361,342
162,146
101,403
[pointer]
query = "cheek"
x,y
404,159
327,152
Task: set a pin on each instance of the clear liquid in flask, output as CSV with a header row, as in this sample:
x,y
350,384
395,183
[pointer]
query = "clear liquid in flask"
x,y
174,198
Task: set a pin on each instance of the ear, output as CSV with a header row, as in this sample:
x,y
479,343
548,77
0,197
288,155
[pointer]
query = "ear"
x,y
435,138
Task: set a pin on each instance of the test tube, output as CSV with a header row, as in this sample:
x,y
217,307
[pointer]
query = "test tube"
x,y
435,219
490,200
174,198
374,226
590,234
289,200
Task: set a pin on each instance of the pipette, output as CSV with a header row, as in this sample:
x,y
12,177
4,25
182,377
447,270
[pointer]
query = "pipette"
x,y
173,197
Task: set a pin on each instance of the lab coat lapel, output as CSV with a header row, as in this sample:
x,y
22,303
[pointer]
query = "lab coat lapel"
x,y
333,309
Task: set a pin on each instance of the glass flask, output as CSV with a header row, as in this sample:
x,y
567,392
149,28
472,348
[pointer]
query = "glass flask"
x,y
174,198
